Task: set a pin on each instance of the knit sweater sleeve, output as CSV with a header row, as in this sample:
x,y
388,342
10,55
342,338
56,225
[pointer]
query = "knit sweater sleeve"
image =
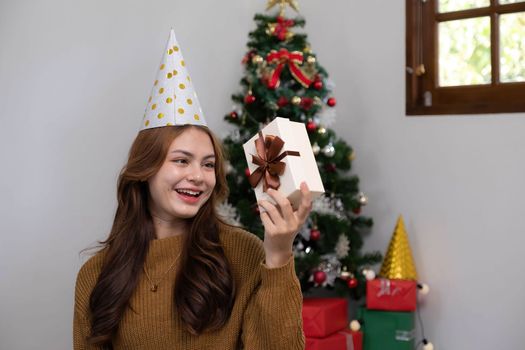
x,y
86,280
272,319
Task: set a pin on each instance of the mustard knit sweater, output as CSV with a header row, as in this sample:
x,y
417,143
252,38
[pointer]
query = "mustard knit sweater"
x,y
266,314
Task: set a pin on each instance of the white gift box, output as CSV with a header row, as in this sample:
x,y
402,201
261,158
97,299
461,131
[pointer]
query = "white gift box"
x,y
297,168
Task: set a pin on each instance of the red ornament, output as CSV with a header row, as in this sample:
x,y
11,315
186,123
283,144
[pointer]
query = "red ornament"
x,y
249,99
307,102
352,283
247,58
330,167
318,84
282,101
331,101
315,234
357,210
247,172
234,115
319,277
311,126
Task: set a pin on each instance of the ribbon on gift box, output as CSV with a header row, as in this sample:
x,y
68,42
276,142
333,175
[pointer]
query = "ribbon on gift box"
x,y
268,161
391,295
386,289
354,339
349,341
407,336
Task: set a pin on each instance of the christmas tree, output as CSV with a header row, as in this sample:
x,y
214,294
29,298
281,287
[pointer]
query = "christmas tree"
x,y
283,78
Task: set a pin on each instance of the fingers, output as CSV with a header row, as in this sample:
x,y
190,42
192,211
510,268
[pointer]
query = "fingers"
x,y
306,203
267,222
281,217
282,202
272,215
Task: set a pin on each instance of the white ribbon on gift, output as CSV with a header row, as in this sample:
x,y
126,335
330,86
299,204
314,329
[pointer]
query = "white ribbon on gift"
x,y
405,335
349,341
385,288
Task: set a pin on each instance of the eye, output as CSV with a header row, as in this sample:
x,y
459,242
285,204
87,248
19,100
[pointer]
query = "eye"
x,y
210,165
180,161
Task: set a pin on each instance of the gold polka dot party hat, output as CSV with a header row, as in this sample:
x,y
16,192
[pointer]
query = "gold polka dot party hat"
x,y
399,263
173,100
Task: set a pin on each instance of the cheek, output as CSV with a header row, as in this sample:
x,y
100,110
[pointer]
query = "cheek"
x,y
212,182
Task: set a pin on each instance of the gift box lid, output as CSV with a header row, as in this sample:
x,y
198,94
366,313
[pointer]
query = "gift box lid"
x,y
393,295
296,168
324,316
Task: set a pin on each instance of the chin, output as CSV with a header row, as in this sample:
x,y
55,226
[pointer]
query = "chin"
x,y
185,214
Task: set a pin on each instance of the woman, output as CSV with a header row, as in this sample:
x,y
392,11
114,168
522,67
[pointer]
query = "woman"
x,y
172,275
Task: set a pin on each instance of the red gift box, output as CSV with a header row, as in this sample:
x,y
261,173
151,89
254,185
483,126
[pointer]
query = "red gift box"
x,y
354,340
324,316
391,295
335,341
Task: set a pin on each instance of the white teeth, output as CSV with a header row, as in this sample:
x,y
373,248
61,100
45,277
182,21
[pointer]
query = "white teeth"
x,y
191,193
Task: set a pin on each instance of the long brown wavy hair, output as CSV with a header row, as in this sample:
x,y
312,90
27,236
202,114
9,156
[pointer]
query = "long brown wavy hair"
x,y
204,290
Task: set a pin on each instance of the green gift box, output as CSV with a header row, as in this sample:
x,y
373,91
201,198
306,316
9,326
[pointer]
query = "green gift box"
x,y
387,330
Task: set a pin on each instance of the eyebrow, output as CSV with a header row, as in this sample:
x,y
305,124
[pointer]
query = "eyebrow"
x,y
189,154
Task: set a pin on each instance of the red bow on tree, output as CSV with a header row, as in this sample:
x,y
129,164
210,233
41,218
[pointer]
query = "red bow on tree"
x,y
269,162
292,59
280,29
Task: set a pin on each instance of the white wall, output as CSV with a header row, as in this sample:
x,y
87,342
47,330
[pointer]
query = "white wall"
x,y
74,78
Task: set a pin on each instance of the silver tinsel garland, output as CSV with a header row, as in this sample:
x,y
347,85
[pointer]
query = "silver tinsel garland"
x,y
329,206
229,214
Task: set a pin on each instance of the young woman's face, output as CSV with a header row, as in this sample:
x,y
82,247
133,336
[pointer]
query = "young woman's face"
x,y
186,179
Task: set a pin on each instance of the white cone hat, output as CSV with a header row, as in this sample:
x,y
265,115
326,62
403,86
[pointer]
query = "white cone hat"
x,y
173,100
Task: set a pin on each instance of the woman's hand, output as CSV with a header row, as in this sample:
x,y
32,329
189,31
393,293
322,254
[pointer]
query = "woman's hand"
x,y
281,225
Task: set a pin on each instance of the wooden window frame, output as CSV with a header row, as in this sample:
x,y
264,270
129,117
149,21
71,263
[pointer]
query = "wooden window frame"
x,y
422,20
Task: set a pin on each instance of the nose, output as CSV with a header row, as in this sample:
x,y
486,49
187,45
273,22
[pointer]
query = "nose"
x,y
195,174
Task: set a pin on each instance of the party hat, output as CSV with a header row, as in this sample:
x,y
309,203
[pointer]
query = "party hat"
x,y
399,263
173,100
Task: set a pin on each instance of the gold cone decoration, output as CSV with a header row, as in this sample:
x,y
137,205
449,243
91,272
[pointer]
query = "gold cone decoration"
x,y
399,263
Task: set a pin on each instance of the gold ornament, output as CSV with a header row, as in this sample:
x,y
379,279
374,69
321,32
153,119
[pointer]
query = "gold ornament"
x,y
351,157
282,3
321,130
316,149
257,59
345,274
311,59
363,200
271,28
271,31
399,263
296,100
307,49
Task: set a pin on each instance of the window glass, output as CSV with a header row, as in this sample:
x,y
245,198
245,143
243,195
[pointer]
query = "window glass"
x,y
512,47
464,52
510,1
458,5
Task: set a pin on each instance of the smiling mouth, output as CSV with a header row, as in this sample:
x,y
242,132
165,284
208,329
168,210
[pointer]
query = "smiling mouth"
x,y
195,194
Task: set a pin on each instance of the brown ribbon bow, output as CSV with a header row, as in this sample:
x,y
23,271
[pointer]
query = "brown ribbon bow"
x,y
269,162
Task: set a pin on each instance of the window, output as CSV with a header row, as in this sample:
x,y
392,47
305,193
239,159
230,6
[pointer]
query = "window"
x,y
465,56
